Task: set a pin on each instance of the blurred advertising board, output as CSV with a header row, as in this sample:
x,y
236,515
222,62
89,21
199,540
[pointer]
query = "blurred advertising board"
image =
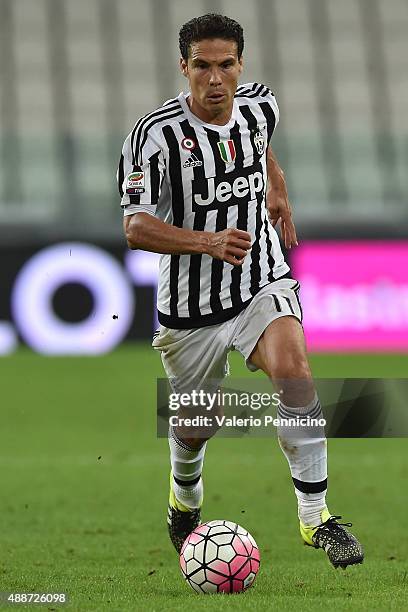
x,y
74,298
354,294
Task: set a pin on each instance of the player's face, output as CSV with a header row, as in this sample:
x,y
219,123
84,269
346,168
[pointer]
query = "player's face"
x,y
213,70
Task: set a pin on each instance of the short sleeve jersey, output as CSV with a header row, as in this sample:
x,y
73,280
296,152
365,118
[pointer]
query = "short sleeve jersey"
x,y
205,177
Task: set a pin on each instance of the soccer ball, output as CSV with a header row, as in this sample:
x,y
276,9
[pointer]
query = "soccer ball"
x,y
219,557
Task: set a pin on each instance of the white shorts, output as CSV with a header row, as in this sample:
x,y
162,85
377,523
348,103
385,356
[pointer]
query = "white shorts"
x,y
193,356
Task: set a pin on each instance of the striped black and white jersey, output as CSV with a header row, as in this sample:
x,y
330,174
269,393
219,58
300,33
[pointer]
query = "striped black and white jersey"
x,y
205,177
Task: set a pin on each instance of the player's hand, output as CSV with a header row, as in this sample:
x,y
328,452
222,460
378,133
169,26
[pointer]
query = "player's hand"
x,y
230,245
279,208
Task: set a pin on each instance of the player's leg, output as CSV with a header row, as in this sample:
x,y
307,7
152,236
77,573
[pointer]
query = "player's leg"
x,y
281,353
186,488
192,359
270,336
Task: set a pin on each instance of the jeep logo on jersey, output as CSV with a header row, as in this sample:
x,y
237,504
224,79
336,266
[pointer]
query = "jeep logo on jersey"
x,y
241,187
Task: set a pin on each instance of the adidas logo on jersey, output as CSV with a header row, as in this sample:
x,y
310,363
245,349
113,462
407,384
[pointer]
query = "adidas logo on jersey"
x,y
192,162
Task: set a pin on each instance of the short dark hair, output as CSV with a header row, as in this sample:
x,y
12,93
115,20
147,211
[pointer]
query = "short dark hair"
x,y
211,25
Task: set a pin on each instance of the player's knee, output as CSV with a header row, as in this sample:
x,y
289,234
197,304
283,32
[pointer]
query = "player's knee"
x,y
293,366
294,380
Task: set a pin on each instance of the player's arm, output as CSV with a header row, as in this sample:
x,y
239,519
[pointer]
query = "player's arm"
x,y
140,177
144,231
277,201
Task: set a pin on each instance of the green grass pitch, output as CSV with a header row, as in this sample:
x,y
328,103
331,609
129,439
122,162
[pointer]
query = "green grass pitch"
x,y
84,494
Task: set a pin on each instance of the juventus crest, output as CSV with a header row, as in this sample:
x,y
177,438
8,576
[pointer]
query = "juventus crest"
x,y
259,142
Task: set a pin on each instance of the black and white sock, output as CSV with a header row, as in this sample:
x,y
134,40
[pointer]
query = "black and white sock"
x,y
186,465
305,449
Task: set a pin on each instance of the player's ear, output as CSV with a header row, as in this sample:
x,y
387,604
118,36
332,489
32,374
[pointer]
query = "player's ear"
x,y
183,66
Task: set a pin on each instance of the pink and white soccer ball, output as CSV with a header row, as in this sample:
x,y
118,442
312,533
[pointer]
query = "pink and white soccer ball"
x,y
219,557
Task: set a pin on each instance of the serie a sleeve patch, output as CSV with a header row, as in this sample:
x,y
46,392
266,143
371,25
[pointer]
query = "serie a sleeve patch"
x,y
135,183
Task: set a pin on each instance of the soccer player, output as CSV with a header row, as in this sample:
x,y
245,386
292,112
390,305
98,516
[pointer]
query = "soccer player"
x,y
200,185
